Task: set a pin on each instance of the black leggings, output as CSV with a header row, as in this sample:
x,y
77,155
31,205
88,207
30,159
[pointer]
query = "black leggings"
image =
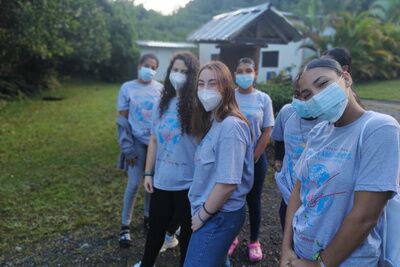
x,y
164,205
254,197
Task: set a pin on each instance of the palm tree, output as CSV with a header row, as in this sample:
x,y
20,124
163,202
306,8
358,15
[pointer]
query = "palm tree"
x,y
387,11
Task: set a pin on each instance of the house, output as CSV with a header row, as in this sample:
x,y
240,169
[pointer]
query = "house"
x,y
260,32
164,52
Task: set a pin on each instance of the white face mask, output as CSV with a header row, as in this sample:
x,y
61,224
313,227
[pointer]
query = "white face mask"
x,y
177,80
210,98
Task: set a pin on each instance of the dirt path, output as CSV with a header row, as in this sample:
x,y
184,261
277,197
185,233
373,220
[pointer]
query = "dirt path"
x,y
390,108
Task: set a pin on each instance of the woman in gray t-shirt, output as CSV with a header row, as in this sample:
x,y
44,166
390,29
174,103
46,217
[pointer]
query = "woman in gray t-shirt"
x,y
348,171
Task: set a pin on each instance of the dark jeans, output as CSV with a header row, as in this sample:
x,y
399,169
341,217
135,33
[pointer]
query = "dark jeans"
x,y
163,206
254,197
282,213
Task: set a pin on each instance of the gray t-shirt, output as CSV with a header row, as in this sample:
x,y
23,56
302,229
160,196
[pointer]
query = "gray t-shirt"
x,y
293,130
224,156
175,151
257,107
139,99
335,164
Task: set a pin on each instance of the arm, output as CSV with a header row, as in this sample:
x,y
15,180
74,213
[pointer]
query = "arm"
x,y
219,195
262,143
357,224
279,154
287,252
150,162
124,113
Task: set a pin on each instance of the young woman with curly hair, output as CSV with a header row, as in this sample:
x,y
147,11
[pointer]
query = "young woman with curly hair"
x,y
169,162
223,172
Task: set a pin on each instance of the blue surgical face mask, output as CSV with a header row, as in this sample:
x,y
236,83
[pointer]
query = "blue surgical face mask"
x,y
146,74
300,108
244,81
329,104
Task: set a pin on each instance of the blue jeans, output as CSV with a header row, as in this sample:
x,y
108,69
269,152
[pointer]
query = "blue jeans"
x,y
135,175
209,245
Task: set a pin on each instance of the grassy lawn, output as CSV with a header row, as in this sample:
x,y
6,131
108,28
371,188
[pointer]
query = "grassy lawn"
x,y
58,166
386,90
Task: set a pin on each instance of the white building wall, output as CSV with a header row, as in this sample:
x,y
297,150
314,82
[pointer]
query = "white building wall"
x,y
206,51
289,55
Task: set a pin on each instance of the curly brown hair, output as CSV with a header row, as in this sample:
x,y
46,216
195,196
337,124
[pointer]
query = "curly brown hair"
x,y
201,119
185,104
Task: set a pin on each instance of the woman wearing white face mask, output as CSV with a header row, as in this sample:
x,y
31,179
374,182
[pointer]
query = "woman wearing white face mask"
x,y
345,176
257,106
223,168
169,162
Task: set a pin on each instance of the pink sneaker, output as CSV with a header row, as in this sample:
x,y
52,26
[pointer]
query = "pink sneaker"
x,y
233,246
255,253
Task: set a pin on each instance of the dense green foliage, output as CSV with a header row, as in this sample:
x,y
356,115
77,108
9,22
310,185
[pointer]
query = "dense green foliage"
x,y
39,40
280,94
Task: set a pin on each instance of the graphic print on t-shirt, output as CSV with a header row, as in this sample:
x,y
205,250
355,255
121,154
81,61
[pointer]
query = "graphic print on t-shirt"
x,y
143,109
169,131
317,194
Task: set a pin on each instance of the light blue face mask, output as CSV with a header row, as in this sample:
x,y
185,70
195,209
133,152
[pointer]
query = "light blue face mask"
x,y
300,108
146,74
329,104
244,81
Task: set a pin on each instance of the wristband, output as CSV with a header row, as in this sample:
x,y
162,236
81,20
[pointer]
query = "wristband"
x,y
209,213
317,257
148,174
198,215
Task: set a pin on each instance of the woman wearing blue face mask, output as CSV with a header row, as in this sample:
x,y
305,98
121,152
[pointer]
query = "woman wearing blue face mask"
x,y
170,157
345,176
223,172
135,104
257,106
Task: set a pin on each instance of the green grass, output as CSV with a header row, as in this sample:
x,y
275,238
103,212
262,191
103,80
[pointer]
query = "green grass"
x,y
382,90
58,165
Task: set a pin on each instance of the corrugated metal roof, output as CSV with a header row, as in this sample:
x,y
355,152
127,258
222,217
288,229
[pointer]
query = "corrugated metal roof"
x,y
227,27
165,44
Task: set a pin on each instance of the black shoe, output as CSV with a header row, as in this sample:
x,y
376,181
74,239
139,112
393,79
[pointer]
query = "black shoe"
x,y
125,237
146,223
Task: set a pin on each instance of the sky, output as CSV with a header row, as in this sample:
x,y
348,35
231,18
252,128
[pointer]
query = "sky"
x,y
166,7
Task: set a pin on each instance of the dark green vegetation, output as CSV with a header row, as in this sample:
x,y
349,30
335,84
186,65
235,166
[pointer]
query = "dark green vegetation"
x,y
43,40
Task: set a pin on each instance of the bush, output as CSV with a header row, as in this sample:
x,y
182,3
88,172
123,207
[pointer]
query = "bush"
x,y
280,93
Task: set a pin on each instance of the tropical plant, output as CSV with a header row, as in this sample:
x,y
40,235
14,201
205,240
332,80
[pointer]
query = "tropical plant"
x,y
386,11
370,44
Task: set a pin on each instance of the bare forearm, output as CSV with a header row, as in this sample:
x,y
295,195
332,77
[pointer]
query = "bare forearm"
x,y
219,195
262,142
342,246
151,155
357,225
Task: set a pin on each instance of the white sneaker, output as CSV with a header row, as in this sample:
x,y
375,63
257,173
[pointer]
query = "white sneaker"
x,y
178,232
170,241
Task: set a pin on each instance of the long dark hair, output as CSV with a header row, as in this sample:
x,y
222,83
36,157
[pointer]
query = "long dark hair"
x,y
186,94
341,55
228,107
